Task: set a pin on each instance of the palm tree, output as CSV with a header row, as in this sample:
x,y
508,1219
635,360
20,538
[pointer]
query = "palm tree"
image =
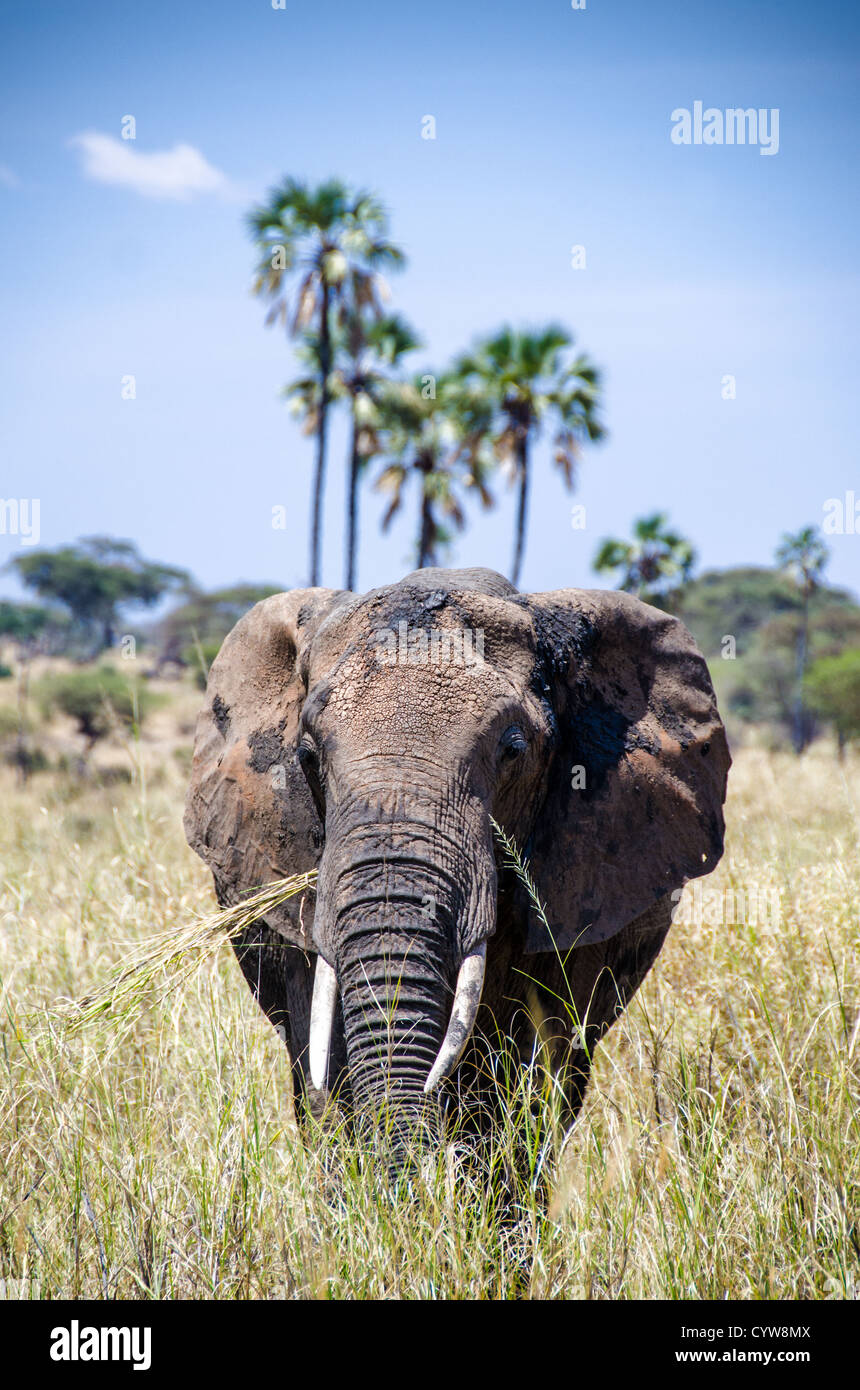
x,y
422,435
804,556
655,557
335,241
365,348
522,380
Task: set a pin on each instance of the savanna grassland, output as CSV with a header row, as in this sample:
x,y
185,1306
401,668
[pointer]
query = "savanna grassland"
x,y
153,1153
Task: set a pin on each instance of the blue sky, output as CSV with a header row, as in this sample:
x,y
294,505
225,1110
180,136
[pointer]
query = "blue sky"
x,y
553,129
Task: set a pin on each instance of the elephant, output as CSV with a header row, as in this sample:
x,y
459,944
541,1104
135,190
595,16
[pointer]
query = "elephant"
x,y
377,738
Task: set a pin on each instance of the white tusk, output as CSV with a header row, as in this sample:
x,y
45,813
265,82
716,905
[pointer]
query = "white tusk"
x,y
322,1018
467,997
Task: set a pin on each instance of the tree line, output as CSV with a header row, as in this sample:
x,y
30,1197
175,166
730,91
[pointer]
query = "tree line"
x,y
794,640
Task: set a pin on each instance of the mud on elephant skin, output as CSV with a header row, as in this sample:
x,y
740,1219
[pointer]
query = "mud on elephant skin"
x,y
375,737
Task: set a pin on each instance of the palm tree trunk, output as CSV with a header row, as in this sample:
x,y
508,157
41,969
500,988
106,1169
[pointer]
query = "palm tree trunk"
x,y
352,508
428,529
319,471
427,533
522,507
425,463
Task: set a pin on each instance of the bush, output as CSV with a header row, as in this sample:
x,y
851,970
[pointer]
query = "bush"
x,y
5,672
28,760
98,700
833,690
10,722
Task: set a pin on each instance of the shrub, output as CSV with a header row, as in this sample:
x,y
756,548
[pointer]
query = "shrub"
x,y
97,699
28,760
10,722
833,691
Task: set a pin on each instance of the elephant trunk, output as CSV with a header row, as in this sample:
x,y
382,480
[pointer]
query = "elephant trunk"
x,y
403,923
393,979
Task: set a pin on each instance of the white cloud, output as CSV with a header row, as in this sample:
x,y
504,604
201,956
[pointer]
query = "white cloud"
x,y
179,173
8,177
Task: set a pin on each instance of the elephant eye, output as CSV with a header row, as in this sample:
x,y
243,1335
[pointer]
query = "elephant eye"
x,y
310,764
513,743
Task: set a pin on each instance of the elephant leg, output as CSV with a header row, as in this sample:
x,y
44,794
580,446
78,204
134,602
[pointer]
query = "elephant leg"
x,y
610,972
597,983
564,1004
520,1009
281,979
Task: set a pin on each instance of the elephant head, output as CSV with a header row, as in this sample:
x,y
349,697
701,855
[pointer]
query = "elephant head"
x,y
377,737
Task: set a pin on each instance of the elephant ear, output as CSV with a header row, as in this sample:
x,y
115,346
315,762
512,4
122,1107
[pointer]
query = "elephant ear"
x,y
249,813
638,779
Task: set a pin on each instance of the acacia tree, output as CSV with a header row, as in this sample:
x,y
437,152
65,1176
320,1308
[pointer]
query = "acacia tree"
x,y
334,242
95,579
424,436
519,382
804,556
656,557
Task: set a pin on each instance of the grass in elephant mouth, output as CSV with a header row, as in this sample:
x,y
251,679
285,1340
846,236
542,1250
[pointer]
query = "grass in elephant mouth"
x,y
717,1154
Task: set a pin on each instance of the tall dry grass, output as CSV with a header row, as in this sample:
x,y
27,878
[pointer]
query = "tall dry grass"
x,y
153,1152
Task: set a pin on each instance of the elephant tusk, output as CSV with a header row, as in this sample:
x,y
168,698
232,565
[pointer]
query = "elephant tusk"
x,y
322,1018
467,997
